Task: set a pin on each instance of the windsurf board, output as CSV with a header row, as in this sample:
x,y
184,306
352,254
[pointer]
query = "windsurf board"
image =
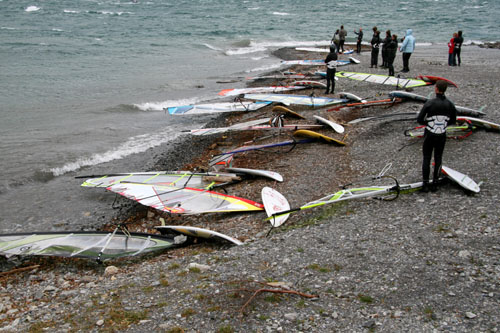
x,y
274,202
463,180
317,136
197,232
460,109
287,112
434,79
482,123
351,97
336,127
309,83
255,172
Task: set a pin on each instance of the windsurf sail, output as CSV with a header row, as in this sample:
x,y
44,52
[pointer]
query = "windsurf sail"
x,y
241,127
93,245
253,90
383,79
453,132
264,146
406,115
216,107
296,99
363,104
183,200
349,194
171,178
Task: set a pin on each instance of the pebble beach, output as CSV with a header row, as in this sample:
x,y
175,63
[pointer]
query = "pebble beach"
x,y
423,262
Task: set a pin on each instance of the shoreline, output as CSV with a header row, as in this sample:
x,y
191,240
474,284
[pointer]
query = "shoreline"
x,y
421,262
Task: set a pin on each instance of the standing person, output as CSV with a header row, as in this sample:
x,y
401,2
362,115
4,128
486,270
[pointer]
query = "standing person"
x,y
458,48
436,115
360,39
407,48
392,49
342,35
331,69
375,47
451,48
386,42
336,40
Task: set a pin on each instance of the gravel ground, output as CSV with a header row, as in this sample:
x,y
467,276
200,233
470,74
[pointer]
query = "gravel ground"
x,y
422,262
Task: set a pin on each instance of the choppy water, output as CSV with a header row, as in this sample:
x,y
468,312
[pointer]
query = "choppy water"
x,y
85,82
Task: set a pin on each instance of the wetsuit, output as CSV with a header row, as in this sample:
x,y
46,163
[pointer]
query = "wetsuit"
x,y
436,115
360,39
456,51
385,44
375,48
331,69
392,48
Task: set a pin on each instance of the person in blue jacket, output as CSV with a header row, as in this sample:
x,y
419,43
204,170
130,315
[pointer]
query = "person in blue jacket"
x,y
407,48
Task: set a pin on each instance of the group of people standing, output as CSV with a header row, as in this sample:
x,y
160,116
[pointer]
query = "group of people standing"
x,y
389,47
454,49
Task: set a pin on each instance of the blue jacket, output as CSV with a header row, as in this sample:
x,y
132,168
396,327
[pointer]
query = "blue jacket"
x,y
409,43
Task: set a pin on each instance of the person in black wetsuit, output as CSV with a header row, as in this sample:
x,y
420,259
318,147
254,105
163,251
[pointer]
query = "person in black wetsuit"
x,y
331,69
436,115
458,48
386,42
392,49
360,39
375,42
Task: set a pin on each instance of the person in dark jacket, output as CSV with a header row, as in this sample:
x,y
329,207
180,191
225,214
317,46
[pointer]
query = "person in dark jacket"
x,y
360,39
331,69
375,42
436,115
392,49
386,42
336,40
342,35
458,48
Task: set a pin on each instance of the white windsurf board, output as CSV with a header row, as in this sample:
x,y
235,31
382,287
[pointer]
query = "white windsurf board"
x,y
197,232
336,127
463,180
255,172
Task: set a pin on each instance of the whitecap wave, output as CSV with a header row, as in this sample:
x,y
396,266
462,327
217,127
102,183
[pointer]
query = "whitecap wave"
x,y
159,106
245,50
281,13
70,11
32,9
264,68
134,145
211,47
254,47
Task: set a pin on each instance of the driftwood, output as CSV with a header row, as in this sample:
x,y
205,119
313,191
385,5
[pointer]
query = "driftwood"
x,y
18,270
269,287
